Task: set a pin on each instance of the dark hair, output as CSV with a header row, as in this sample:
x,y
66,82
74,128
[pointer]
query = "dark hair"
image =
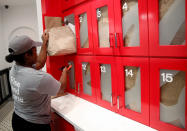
x,y
18,58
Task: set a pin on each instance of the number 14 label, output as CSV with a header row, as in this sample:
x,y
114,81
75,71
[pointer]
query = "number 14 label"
x,y
129,72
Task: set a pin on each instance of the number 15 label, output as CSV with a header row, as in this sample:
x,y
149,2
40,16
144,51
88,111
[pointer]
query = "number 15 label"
x,y
167,77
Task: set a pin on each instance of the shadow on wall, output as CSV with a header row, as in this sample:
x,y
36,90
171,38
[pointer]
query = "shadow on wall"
x,y
22,30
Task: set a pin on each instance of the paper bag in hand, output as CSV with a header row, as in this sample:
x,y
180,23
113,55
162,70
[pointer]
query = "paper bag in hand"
x,y
62,41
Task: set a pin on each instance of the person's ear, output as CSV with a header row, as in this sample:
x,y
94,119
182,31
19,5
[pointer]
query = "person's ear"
x,y
26,56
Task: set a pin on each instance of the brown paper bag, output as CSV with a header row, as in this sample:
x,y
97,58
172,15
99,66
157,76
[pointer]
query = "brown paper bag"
x,y
62,41
51,22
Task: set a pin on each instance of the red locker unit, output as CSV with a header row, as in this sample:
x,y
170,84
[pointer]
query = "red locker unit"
x,y
85,76
168,94
167,28
131,28
104,81
103,27
133,88
83,29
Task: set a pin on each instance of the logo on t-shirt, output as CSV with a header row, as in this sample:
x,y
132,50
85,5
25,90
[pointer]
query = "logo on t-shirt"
x,y
16,89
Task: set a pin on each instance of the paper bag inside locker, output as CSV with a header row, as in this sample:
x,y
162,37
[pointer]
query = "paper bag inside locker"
x,y
61,41
61,38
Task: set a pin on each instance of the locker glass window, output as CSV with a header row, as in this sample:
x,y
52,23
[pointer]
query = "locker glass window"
x,y
172,97
132,88
103,26
106,88
86,78
70,21
172,22
72,75
130,23
83,31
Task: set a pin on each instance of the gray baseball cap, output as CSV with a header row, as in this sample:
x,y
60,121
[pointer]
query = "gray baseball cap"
x,y
21,44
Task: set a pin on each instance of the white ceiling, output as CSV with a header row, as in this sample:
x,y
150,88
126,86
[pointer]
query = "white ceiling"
x,y
16,2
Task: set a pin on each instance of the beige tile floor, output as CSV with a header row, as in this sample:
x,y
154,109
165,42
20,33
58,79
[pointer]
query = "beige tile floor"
x,y
6,111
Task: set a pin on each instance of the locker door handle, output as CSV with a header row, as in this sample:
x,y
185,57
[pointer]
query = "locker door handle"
x,y
112,40
78,90
111,100
77,41
118,102
75,89
118,40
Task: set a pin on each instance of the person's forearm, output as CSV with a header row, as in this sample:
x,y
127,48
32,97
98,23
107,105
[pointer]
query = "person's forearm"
x,y
41,59
63,80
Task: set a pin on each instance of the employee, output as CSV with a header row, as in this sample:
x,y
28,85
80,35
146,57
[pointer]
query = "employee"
x,y
31,88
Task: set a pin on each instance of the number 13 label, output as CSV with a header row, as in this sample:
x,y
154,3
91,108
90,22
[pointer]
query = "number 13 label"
x,y
103,69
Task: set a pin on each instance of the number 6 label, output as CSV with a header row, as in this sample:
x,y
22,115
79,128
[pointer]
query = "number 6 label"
x,y
167,77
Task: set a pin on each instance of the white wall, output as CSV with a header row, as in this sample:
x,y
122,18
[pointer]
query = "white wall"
x,y
1,37
17,20
3,45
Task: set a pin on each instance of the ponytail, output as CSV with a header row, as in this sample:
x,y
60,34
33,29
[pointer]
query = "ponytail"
x,y
18,58
9,58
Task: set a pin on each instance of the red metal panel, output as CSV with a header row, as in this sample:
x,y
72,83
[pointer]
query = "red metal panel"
x,y
79,74
51,7
55,63
155,48
155,65
143,64
66,4
84,8
95,5
97,80
60,124
141,50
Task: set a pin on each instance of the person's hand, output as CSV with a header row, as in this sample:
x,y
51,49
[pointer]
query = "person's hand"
x,y
45,38
65,70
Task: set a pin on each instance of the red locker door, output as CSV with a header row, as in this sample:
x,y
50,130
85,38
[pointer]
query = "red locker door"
x,y
131,27
105,81
167,28
84,29
103,27
71,78
168,94
85,75
133,91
